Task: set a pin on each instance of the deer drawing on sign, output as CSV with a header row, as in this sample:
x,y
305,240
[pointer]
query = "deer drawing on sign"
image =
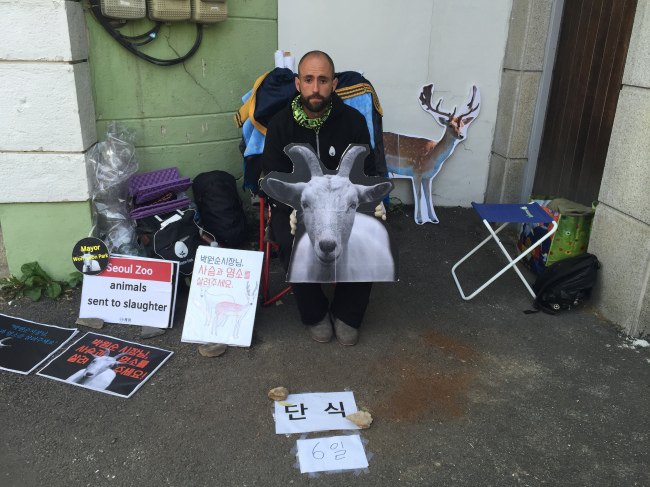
x,y
421,159
220,312
209,300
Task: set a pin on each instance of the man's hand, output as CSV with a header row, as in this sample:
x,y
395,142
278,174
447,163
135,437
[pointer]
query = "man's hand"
x,y
380,211
293,222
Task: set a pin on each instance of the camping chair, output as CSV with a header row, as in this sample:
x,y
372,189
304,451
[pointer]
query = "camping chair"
x,y
508,213
265,246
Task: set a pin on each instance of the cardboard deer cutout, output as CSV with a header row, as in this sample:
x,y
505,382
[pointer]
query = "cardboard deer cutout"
x,y
421,159
338,238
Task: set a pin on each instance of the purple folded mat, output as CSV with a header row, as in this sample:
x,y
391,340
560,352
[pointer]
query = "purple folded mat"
x,y
151,178
153,191
145,211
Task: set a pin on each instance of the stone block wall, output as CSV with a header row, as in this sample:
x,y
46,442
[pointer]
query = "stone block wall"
x,y
522,70
621,233
47,107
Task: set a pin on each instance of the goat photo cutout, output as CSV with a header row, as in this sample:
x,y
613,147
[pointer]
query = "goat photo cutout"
x,y
338,238
421,159
99,372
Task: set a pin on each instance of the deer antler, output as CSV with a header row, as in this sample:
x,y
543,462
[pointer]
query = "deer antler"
x,y
469,105
425,101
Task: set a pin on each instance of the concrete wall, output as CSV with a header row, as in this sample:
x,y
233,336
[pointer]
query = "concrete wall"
x,y
621,233
183,114
520,84
401,46
48,115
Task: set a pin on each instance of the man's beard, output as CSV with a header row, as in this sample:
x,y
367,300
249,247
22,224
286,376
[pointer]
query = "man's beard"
x,y
315,103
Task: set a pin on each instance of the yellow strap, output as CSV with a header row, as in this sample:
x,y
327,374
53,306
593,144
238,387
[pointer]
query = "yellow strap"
x,y
248,109
360,89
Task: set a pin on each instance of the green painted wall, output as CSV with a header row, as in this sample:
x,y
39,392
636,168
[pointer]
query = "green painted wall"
x,y
44,232
184,114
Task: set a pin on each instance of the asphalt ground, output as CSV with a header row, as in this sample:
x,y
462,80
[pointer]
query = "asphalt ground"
x,y
462,393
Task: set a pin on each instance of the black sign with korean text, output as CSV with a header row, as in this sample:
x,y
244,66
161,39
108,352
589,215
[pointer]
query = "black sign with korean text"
x,y
106,364
24,345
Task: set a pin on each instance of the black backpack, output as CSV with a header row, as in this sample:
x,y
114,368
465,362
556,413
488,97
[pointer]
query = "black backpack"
x,y
565,283
172,236
221,210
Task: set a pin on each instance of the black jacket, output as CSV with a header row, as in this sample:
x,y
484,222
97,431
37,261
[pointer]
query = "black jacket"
x,y
343,127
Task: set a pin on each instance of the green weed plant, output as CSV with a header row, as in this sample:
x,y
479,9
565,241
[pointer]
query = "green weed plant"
x,y
35,281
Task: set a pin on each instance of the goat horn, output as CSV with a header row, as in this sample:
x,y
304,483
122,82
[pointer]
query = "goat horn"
x,y
352,156
108,351
307,154
120,355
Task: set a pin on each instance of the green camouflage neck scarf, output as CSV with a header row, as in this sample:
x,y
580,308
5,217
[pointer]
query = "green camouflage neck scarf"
x,y
303,120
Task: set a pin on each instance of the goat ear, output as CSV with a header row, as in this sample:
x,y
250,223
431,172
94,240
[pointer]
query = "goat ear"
x,y
374,193
287,193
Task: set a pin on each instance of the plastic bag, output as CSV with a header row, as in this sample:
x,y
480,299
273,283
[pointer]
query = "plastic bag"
x,y
111,164
571,238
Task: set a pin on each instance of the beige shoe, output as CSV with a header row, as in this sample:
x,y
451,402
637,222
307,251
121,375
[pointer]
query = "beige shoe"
x,y
345,334
322,331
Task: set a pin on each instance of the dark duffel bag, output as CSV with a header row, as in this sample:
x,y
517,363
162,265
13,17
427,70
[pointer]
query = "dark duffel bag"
x,y
566,283
220,208
172,236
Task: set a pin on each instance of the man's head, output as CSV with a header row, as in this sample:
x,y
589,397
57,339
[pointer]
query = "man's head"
x,y
315,82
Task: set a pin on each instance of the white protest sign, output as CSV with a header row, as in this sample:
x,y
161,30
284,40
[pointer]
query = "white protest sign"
x,y
133,291
223,296
322,411
331,453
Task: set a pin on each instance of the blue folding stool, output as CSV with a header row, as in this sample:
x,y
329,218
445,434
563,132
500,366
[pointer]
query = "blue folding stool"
x,y
519,213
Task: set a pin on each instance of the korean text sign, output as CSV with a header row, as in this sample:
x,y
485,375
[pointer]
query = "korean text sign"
x,y
133,291
223,297
24,345
106,364
315,412
331,454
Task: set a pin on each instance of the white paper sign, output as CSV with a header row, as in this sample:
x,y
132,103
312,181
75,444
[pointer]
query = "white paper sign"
x,y
133,291
223,297
322,411
331,453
